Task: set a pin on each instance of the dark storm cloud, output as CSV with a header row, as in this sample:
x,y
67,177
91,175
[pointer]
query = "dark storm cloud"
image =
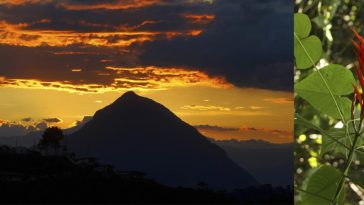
x,y
27,119
52,120
151,18
248,42
55,64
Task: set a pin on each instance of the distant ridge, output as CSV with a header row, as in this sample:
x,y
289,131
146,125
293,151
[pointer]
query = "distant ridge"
x,y
268,158
137,133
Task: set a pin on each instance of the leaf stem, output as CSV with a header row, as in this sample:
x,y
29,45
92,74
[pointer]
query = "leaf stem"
x,y
322,78
348,161
357,134
346,170
323,132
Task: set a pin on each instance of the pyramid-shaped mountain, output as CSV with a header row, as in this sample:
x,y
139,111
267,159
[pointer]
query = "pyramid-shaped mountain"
x,y
137,133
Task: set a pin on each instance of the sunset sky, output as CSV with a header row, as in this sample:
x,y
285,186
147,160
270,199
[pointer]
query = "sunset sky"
x,y
224,66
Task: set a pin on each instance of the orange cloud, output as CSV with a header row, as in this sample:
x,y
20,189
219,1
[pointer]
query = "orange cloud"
x,y
76,70
120,4
60,86
279,100
20,35
253,107
199,18
20,2
205,108
167,77
17,34
148,78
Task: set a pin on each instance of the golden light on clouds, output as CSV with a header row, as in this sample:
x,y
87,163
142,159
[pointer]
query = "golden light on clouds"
x,y
115,5
280,100
205,107
76,70
120,4
17,34
46,31
19,2
199,18
79,56
140,78
274,123
253,107
215,110
20,35
156,77
59,86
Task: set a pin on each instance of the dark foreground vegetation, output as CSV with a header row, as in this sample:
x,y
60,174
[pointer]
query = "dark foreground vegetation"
x,y
29,177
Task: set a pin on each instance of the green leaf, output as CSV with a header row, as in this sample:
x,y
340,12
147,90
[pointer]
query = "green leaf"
x,y
314,90
321,185
333,140
299,120
332,136
307,51
302,25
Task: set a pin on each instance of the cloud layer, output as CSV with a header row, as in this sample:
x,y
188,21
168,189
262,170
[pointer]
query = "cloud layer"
x,y
72,42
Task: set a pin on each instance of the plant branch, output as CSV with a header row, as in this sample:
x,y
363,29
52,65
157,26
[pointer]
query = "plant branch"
x,y
357,134
322,131
348,161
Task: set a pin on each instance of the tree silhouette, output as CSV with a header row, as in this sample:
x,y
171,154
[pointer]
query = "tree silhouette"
x,y
52,136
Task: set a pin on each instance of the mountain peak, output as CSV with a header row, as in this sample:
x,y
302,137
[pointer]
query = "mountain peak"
x,y
137,133
129,94
135,106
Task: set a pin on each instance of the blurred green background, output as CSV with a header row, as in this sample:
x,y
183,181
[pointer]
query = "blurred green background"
x,y
332,21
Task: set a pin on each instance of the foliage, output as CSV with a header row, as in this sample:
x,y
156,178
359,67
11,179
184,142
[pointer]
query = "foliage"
x,y
328,132
52,136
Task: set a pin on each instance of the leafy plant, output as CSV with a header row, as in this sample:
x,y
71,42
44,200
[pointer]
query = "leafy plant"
x,y
331,91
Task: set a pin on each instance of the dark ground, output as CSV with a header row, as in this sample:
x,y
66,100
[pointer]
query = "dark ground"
x,y
32,178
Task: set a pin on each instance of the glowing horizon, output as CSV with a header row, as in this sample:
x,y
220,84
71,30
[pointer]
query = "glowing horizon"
x,y
202,59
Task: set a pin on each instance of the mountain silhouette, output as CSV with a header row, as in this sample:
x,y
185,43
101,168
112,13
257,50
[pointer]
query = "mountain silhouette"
x,y
137,133
268,158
